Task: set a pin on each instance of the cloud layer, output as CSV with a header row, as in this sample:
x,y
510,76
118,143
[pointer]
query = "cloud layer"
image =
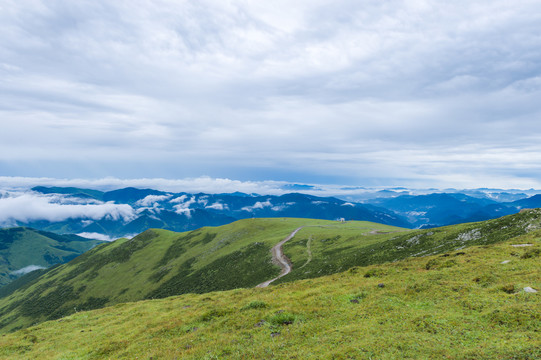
x,y
26,207
413,93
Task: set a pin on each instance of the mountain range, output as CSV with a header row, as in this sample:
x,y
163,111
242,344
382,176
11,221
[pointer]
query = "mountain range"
x,y
149,208
127,212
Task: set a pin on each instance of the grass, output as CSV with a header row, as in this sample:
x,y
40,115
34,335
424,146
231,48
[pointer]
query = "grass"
x,y
473,309
159,263
333,251
21,247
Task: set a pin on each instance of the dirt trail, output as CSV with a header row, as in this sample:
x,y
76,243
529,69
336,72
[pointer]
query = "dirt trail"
x,y
308,251
280,259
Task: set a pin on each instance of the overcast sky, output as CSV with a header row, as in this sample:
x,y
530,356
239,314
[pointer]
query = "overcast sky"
x,y
392,93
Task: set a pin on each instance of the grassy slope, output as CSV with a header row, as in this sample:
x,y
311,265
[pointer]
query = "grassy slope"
x,y
21,247
157,264
460,305
333,251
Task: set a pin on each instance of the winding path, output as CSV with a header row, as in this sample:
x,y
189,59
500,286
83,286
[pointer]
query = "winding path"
x,y
280,259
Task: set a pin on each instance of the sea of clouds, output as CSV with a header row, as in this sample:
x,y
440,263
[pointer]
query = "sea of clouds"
x,y
19,206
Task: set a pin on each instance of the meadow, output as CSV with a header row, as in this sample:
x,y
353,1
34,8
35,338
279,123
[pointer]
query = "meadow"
x,y
467,304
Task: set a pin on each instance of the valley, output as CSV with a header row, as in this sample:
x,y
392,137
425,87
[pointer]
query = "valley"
x,y
23,250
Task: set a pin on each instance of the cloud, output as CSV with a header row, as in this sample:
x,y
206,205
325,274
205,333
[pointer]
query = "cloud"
x,y
26,270
183,204
152,200
25,207
257,205
203,184
217,206
308,91
96,236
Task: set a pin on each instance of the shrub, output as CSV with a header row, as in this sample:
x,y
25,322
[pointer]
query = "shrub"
x,y
530,253
212,314
356,297
432,264
256,304
282,318
374,272
485,280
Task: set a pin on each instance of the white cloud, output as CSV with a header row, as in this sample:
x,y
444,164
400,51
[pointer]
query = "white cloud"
x,y
203,200
280,207
257,205
204,184
26,270
26,207
96,236
179,199
321,80
152,200
217,206
183,205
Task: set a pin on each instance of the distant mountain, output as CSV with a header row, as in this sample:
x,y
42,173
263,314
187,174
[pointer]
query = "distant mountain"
x,y
441,209
146,219
184,211
496,195
306,206
23,250
130,195
75,192
531,202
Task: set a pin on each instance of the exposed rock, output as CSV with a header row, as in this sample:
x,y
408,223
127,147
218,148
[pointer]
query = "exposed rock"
x,y
529,290
414,240
381,285
260,323
505,262
355,301
470,235
521,245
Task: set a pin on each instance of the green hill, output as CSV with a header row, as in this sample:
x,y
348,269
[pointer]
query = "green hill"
x,y
467,304
23,250
159,263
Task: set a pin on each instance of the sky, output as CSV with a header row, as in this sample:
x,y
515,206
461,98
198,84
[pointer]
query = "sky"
x,y
362,93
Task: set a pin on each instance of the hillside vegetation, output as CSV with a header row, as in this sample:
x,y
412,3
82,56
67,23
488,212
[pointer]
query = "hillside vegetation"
x,y
23,250
330,252
467,304
159,263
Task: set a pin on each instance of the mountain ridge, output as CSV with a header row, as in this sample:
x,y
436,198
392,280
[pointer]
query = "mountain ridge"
x,y
160,263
